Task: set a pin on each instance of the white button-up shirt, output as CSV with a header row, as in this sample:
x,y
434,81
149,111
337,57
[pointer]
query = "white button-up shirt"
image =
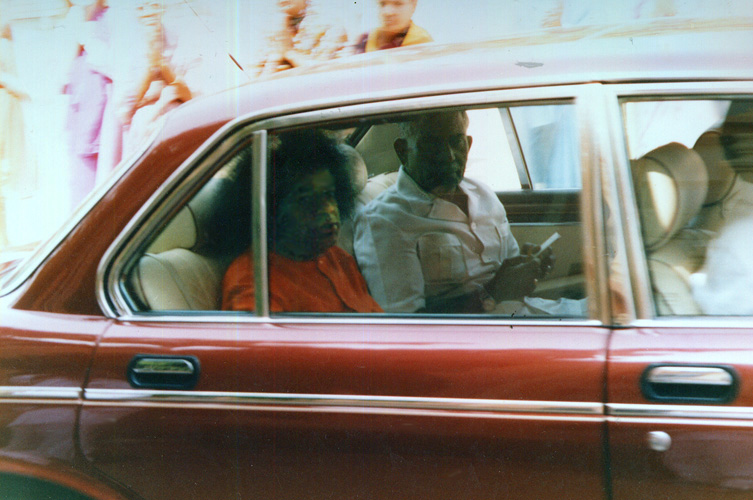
x,y
412,245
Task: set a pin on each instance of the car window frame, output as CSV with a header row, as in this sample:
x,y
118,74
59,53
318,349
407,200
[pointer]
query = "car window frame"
x,y
204,161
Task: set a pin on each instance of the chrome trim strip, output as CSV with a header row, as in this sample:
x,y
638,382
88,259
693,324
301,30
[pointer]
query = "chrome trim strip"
x,y
714,422
681,90
218,317
620,411
372,105
253,400
40,394
720,323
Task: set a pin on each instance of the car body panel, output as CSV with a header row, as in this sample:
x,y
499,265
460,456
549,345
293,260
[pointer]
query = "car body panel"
x,y
44,363
338,409
58,285
711,442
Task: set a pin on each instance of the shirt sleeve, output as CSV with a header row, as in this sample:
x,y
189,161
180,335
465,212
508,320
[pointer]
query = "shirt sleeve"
x,y
727,286
389,263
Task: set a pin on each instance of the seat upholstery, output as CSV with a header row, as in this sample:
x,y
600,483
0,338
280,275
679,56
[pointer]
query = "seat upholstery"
x,y
179,279
183,267
722,179
671,184
371,190
377,145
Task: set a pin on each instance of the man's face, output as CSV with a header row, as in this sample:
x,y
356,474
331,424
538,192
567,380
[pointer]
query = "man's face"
x,y
292,7
308,219
396,15
436,151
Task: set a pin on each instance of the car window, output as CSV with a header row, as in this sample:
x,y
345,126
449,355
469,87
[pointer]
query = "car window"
x,y
328,252
389,250
520,148
691,168
181,267
549,141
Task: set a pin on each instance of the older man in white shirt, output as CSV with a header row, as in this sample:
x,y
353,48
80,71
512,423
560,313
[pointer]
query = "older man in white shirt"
x,y
436,241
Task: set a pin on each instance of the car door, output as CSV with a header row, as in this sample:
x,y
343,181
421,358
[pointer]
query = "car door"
x,y
193,402
679,396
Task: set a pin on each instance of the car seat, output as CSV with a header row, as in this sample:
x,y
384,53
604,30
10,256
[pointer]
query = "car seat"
x,y
722,180
366,188
671,184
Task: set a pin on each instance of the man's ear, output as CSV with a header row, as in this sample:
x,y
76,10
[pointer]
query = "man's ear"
x,y
401,148
470,141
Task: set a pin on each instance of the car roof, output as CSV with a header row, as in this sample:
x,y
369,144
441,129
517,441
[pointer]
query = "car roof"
x,y
666,50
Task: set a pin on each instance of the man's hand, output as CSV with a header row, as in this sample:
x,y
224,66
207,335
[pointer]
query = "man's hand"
x,y
518,276
546,257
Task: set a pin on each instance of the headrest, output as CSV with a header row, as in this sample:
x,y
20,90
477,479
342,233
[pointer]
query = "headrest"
x,y
671,185
217,220
356,166
720,172
737,136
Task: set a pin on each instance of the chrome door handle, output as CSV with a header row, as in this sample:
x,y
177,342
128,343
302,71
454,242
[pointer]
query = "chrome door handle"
x,y
163,372
689,383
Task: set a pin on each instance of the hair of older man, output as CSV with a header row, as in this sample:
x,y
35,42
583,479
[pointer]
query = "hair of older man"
x,y
411,126
303,152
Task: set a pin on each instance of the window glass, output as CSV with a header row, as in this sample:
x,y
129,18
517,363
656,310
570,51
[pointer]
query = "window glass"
x,y
548,137
691,164
352,233
349,232
181,268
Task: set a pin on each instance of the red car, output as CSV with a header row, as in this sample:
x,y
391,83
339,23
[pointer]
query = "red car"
x,y
120,377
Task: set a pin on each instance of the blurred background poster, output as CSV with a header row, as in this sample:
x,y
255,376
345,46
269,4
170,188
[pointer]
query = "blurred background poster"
x,y
84,82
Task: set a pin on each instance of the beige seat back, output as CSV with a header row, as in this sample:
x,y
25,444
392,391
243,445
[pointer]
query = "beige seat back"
x,y
373,187
721,181
671,187
179,280
367,189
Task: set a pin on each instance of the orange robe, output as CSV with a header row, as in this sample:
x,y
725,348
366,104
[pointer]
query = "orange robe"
x,y
329,283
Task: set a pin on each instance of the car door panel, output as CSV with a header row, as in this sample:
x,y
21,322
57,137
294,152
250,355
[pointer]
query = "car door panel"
x,y
689,441
43,367
335,410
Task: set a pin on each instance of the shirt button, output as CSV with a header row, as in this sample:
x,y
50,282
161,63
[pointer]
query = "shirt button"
x,y
473,226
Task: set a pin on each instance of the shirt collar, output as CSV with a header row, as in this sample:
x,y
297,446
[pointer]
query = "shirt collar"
x,y
428,205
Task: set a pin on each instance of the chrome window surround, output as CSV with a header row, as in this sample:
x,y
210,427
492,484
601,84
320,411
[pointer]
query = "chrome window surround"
x,y
638,267
202,162
259,223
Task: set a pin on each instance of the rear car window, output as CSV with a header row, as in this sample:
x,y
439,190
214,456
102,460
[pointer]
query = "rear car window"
x,y
693,180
